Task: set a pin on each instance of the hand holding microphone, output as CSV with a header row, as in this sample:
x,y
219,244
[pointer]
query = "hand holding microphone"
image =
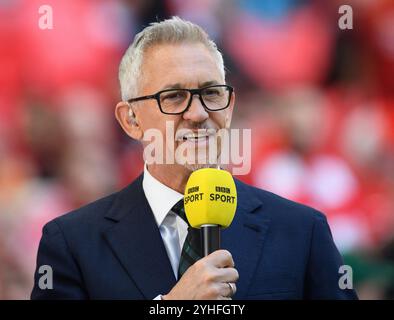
x,y
207,279
210,203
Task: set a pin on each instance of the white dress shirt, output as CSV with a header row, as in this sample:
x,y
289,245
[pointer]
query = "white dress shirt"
x,y
173,229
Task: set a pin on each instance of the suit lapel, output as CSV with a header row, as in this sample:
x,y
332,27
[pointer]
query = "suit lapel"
x,y
136,241
245,237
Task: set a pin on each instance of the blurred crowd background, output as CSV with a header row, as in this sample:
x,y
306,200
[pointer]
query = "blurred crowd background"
x,y
319,100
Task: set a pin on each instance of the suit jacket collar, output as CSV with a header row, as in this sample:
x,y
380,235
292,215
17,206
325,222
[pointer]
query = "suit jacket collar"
x,y
136,241
244,238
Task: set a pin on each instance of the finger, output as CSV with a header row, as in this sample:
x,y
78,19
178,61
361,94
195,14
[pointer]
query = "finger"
x,y
227,275
233,288
228,289
221,259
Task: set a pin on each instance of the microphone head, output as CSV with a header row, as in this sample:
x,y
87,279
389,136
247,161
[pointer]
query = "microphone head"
x,y
210,198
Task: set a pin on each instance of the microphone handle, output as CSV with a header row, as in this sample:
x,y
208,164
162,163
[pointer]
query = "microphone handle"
x,y
210,234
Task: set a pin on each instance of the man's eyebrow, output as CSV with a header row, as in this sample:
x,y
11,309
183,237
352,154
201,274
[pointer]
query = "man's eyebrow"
x,y
179,86
208,83
172,86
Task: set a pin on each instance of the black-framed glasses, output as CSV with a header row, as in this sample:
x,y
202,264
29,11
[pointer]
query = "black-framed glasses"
x,y
177,101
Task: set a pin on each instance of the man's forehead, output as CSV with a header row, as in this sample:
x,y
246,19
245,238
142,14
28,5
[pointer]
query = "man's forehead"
x,y
180,65
173,48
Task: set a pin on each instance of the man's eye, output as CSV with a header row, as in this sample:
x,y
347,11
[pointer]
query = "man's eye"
x,y
211,92
173,96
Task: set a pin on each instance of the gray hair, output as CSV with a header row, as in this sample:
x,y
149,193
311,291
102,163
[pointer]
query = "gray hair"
x,y
174,30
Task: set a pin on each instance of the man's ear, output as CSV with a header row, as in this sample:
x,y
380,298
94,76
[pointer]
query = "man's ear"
x,y
229,111
127,120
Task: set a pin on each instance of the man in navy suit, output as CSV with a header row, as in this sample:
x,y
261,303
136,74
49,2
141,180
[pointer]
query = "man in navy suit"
x,y
136,243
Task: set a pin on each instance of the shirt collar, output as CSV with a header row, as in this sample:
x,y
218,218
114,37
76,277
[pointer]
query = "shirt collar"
x,y
160,197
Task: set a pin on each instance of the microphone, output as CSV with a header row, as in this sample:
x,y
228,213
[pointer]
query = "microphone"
x,y
210,203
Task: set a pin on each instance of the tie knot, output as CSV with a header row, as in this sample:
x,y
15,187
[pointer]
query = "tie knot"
x,y
179,210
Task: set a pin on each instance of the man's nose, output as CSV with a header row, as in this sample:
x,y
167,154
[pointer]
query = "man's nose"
x,y
196,112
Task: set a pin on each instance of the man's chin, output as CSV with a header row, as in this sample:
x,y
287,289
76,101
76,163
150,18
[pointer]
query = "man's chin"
x,y
198,157
201,163
197,166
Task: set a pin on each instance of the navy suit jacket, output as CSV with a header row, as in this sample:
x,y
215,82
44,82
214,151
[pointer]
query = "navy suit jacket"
x,y
112,249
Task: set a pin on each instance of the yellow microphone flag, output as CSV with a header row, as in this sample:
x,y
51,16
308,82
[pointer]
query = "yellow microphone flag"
x,y
210,198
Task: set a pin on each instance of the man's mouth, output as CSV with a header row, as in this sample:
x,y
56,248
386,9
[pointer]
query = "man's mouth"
x,y
198,137
197,146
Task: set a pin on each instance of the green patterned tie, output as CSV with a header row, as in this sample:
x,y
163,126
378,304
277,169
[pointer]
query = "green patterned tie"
x,y
192,248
